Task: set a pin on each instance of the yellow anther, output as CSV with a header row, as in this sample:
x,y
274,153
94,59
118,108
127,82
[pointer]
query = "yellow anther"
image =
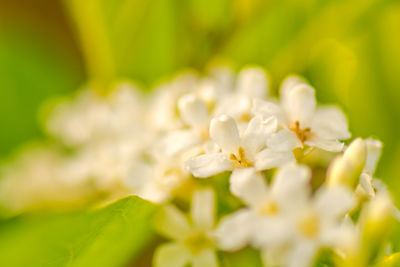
x,y
240,161
302,134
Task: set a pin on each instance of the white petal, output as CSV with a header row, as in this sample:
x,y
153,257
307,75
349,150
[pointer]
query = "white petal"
x,y
301,104
234,105
140,174
324,144
171,222
366,184
333,202
206,258
302,254
210,147
262,126
290,177
374,149
330,123
267,109
269,158
290,186
253,82
255,136
273,231
175,142
248,186
284,140
207,165
274,256
154,193
287,85
224,132
234,231
171,255
203,208
193,111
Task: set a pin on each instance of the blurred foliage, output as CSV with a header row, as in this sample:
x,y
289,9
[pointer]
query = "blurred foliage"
x,y
109,237
349,50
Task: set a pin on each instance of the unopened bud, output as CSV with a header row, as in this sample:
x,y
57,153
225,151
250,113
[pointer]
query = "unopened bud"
x,y
377,220
346,169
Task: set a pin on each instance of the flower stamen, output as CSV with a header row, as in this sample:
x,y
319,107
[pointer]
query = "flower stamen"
x,y
302,134
240,161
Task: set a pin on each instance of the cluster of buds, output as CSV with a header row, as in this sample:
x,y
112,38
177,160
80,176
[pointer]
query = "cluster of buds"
x,y
294,189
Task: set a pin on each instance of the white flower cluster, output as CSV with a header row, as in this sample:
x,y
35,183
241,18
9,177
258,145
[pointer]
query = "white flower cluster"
x,y
298,188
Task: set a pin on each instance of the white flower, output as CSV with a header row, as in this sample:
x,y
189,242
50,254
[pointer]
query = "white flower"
x,y
195,115
157,181
259,147
192,241
251,83
266,209
39,178
317,224
284,221
161,114
90,117
314,126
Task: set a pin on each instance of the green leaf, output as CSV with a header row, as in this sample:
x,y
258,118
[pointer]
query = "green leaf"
x,y
33,67
111,236
245,257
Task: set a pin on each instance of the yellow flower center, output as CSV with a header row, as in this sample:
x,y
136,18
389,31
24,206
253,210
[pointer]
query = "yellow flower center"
x,y
302,134
240,161
269,208
309,225
246,117
197,242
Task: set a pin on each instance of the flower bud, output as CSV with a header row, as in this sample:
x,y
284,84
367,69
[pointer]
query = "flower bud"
x,y
377,220
346,169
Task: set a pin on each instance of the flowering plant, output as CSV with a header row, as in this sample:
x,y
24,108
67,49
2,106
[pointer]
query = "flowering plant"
x,y
229,167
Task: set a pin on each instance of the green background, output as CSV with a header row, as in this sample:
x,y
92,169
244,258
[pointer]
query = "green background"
x,y
349,50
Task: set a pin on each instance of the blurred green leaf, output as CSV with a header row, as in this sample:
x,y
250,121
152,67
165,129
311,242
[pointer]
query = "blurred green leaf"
x,y
108,237
33,67
136,39
245,257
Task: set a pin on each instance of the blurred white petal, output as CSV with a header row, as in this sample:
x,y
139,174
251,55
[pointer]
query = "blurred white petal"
x,y
283,140
267,109
334,202
175,142
374,149
171,222
248,186
203,208
301,104
331,123
193,111
171,254
234,230
206,258
253,82
325,144
269,158
302,254
271,232
207,165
